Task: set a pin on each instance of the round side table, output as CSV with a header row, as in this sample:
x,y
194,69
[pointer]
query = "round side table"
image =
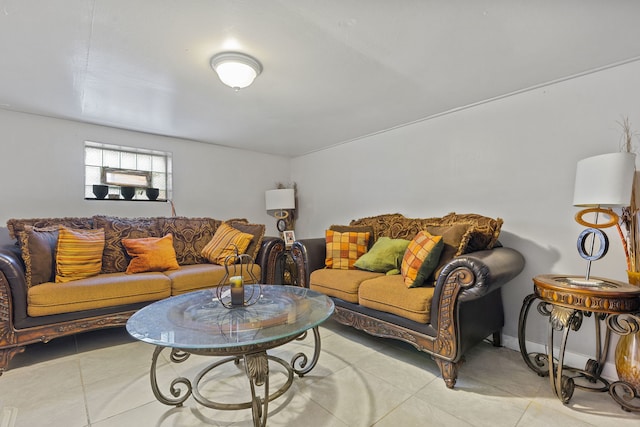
x,y
566,300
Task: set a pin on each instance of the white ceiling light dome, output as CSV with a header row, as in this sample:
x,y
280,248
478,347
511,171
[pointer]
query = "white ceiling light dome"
x,y
235,69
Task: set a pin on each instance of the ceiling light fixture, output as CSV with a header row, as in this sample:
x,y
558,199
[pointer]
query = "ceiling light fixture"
x,y
235,69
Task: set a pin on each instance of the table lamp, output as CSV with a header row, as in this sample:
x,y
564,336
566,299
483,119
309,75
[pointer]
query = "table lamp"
x,y
280,201
602,182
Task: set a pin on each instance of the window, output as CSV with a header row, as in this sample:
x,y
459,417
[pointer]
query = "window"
x,y
117,166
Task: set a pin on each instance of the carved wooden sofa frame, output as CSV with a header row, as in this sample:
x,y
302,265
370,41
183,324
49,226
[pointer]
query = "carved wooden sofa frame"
x,y
466,306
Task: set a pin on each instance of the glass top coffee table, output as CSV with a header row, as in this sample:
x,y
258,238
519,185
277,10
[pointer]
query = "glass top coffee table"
x,y
198,323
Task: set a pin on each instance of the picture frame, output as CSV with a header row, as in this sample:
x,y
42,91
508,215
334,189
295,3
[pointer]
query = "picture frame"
x,y
289,237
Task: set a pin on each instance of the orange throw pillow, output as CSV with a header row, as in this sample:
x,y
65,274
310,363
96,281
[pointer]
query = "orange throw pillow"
x,y
151,254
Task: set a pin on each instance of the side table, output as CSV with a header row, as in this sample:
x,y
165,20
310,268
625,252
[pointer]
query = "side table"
x,y
565,300
286,273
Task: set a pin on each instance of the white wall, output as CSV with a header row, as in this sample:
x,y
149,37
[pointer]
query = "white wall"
x,y
512,158
42,173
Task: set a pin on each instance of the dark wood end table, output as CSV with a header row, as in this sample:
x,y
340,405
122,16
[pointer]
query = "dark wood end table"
x,y
565,300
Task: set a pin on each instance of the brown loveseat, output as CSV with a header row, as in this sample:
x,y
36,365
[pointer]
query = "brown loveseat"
x,y
34,307
456,307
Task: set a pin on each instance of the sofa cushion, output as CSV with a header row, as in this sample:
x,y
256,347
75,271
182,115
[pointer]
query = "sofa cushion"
x,y
78,253
343,249
225,243
385,255
389,294
37,247
341,284
199,276
190,235
16,226
256,230
485,229
114,257
151,254
395,226
455,238
103,290
421,258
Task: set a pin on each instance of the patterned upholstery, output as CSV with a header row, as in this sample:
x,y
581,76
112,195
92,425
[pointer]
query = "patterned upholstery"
x,y
114,257
484,233
190,235
16,226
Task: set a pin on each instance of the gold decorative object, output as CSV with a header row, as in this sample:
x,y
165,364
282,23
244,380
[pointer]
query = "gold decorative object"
x,y
627,355
628,360
231,291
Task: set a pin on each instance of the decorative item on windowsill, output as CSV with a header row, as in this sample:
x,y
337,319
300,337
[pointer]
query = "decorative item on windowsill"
x,y
100,191
152,193
128,192
231,291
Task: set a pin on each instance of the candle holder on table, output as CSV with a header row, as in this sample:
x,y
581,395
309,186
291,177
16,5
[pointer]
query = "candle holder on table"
x,y
231,291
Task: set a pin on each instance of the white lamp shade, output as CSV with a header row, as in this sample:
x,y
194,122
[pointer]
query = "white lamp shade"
x,y
604,180
283,198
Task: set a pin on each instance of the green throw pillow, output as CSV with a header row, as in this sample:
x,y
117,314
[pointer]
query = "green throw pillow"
x,y
385,255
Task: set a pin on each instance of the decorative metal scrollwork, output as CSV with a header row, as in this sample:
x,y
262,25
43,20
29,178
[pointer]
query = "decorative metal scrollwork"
x,y
300,362
178,386
562,317
623,324
623,393
257,366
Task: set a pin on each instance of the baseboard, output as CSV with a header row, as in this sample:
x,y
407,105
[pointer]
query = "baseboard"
x,y
571,359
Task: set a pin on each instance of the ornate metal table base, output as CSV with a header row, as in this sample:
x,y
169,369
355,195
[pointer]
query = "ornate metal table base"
x,y
563,319
256,367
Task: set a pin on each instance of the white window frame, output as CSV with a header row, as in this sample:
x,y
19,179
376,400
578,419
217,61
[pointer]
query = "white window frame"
x,y
117,166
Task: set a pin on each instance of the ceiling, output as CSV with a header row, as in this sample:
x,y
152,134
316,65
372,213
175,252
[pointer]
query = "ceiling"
x,y
334,70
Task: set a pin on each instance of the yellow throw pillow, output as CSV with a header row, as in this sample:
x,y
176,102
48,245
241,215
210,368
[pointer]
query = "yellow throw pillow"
x,y
78,253
151,254
224,243
344,249
421,258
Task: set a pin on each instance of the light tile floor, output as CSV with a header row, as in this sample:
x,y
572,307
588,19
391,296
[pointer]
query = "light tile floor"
x,y
101,379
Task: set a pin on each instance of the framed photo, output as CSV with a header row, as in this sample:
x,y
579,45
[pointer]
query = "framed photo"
x,y
289,237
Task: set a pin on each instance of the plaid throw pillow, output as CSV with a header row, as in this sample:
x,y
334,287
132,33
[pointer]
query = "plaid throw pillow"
x,y
344,249
421,258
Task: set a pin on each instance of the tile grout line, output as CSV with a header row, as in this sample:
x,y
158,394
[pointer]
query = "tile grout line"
x,y
8,416
82,382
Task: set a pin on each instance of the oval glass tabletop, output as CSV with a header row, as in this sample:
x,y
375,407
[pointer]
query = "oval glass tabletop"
x,y
198,319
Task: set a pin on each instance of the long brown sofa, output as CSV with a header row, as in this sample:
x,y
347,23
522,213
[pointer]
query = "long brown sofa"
x,y
458,305
37,306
